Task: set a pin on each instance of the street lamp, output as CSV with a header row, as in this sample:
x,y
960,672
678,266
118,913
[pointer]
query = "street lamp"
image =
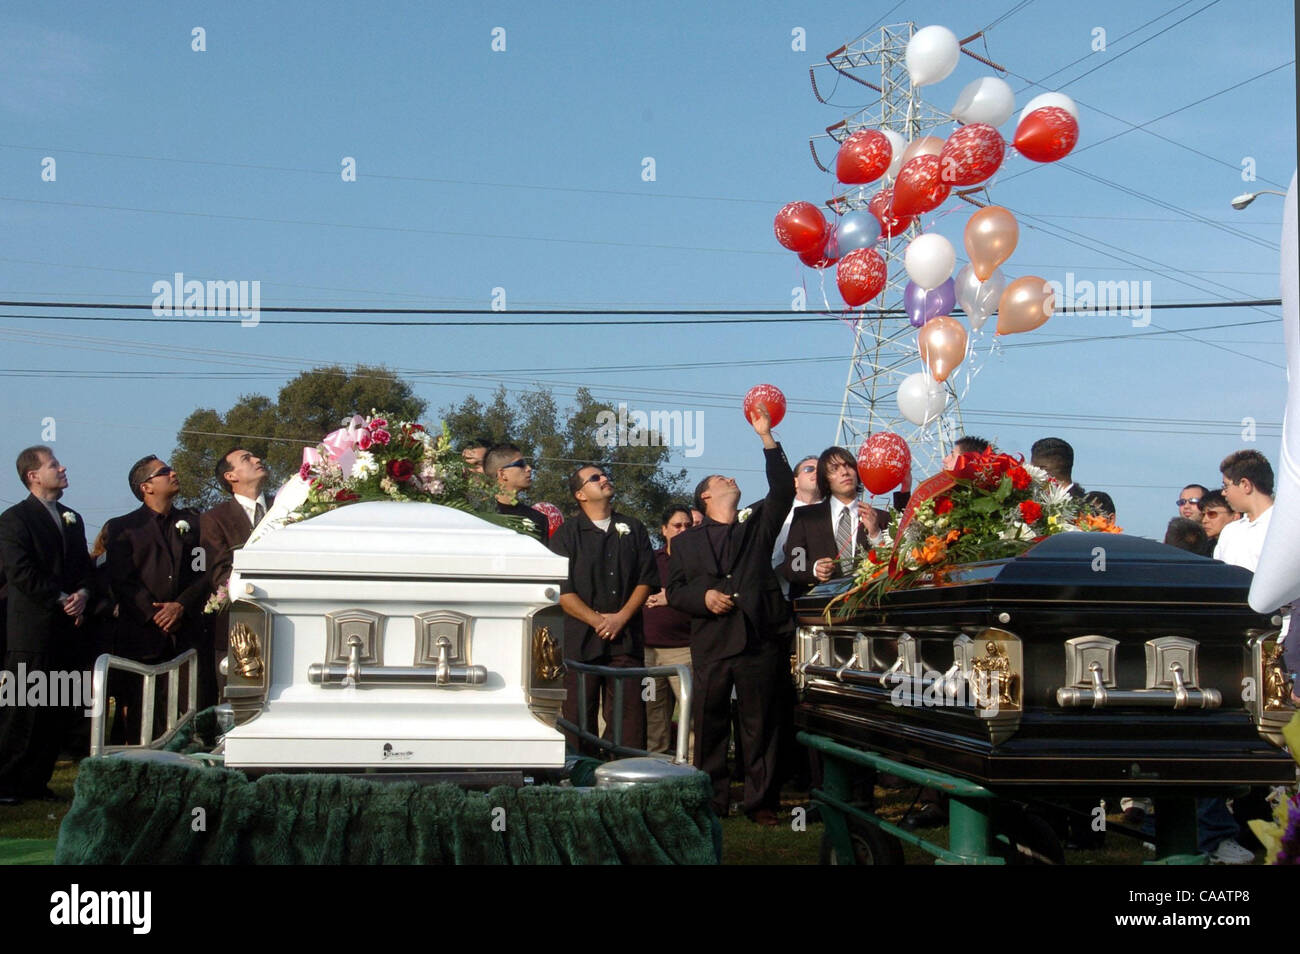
x,y
1246,198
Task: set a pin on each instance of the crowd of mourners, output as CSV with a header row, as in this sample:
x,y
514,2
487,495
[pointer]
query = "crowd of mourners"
x,y
715,596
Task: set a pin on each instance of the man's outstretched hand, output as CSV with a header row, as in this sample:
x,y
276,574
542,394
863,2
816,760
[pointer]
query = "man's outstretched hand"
x,y
762,423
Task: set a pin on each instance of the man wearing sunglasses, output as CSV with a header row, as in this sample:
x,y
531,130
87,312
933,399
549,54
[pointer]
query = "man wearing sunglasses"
x,y
159,571
1189,501
504,465
721,574
805,493
612,571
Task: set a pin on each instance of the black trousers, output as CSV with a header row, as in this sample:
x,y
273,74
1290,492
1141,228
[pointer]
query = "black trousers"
x,y
31,735
600,693
756,676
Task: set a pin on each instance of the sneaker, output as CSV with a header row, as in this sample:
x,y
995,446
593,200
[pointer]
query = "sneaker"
x,y
1231,853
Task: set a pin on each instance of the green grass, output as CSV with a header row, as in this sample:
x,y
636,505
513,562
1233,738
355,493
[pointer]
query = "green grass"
x,y
40,819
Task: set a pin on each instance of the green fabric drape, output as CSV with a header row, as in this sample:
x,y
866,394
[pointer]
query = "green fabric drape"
x,y
129,812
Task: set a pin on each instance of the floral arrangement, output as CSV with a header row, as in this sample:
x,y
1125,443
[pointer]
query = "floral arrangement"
x,y
988,507
1281,836
375,458
218,601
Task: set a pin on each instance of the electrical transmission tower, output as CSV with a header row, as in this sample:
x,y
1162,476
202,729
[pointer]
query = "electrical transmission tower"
x,y
884,345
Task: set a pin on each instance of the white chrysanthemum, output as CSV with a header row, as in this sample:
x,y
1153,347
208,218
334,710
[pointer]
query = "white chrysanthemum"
x,y
1039,475
364,465
1054,496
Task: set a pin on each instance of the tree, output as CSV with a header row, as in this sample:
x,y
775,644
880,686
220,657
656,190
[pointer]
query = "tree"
x,y
307,408
556,444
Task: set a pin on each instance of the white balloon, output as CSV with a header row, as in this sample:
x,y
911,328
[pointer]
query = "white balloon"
x,y
979,299
921,398
929,260
897,145
986,100
1277,578
932,54
1043,100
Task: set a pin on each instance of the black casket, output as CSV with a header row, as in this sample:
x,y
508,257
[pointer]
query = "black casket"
x,y
1092,660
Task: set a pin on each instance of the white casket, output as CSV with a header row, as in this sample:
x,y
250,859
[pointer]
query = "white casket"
x,y
395,636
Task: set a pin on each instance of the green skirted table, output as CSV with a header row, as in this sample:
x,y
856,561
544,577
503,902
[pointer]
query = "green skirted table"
x,y
139,812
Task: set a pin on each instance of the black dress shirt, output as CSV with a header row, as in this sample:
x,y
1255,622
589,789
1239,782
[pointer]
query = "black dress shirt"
x,y
605,566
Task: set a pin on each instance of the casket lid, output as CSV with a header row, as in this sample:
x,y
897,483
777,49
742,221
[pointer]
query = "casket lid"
x,y
384,539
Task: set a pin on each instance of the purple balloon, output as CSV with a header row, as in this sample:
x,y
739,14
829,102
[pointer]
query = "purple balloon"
x,y
922,305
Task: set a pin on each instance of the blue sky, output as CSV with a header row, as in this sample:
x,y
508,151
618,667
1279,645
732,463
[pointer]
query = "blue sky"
x,y
522,170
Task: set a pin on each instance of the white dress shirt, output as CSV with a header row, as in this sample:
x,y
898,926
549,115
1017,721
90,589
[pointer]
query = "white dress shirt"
x,y
778,550
1241,542
250,505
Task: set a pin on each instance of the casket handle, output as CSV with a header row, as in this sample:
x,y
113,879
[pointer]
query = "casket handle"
x,y
839,673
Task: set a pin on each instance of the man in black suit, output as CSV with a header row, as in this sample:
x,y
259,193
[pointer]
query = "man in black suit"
x,y
43,550
159,570
225,528
827,539
720,573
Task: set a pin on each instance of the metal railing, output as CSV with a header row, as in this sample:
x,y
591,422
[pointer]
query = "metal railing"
x,y
176,717
583,670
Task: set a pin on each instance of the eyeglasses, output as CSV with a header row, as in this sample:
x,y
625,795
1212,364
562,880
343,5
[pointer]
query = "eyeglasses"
x,y
1188,500
595,479
515,463
1215,513
161,472
808,468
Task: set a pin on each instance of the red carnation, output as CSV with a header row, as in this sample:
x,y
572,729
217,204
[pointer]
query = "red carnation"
x,y
380,436
343,496
364,440
400,469
942,505
1020,478
1030,511
376,423
304,471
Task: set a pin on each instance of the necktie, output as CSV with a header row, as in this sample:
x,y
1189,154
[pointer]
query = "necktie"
x,y
259,512
844,541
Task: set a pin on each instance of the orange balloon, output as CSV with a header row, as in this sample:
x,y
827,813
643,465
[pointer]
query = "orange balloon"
x,y
925,146
1026,304
943,345
990,238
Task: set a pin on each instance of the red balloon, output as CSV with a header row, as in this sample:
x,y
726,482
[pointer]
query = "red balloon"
x,y
883,459
882,207
769,395
1046,134
553,516
800,226
827,253
920,186
863,157
861,275
971,154
817,258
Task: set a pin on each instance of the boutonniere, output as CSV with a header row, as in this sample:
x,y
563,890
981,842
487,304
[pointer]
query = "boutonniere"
x,y
69,518
623,529
182,527
744,514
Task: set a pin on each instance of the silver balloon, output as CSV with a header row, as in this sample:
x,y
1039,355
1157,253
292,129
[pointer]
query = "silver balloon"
x,y
979,299
921,399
